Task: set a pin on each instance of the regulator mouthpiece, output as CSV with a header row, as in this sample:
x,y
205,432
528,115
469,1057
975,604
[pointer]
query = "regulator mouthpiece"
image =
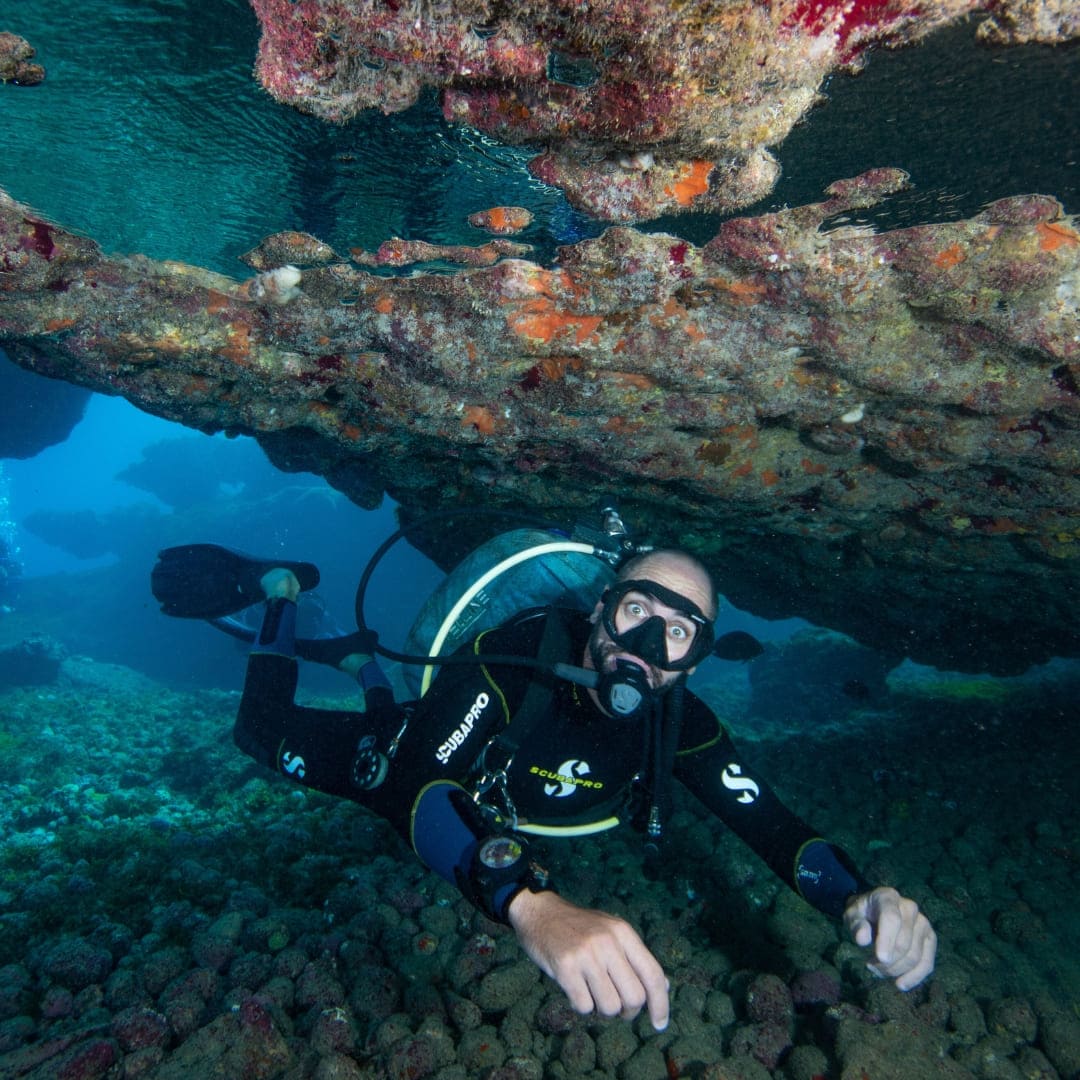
x,y
625,692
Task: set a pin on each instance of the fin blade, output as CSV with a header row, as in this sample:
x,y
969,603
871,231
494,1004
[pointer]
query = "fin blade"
x,y
208,581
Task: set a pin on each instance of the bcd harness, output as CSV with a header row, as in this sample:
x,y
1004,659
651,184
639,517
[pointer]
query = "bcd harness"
x,y
661,730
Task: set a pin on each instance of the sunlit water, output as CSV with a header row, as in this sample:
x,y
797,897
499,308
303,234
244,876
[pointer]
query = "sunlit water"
x,y
151,135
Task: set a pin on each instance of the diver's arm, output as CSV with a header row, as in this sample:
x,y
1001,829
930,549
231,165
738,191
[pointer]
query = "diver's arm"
x,y
904,942
451,836
821,873
598,960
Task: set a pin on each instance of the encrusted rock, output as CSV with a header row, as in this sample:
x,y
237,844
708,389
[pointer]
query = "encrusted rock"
x,y
16,55
75,963
501,988
502,220
289,248
696,381
642,106
241,1043
397,252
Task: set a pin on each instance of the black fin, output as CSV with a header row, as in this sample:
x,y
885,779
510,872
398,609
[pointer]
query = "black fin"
x,y
207,581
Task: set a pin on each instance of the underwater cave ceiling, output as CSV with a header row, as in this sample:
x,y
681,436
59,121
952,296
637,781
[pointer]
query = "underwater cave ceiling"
x,y
637,107
877,431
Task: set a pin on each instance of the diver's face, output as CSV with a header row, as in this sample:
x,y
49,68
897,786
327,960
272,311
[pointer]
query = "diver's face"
x,y
633,610
664,632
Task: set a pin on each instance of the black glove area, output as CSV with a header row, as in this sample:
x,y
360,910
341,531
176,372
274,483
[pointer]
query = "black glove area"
x,y
331,651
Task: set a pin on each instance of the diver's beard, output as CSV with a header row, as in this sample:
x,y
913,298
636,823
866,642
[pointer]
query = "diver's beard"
x,y
605,655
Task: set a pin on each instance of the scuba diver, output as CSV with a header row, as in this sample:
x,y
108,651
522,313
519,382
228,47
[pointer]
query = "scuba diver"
x,y
557,722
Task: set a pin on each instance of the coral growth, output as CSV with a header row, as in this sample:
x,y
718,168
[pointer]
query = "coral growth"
x,y
828,415
642,107
16,61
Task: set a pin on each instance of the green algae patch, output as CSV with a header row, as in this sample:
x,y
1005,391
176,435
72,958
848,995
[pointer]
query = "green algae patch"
x,y
988,691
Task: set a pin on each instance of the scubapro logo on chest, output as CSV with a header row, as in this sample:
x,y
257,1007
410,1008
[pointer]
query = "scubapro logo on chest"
x,y
569,776
461,732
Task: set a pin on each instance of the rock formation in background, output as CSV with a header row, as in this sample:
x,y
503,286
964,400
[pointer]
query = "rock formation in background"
x,y
17,61
878,432
35,412
641,107
10,564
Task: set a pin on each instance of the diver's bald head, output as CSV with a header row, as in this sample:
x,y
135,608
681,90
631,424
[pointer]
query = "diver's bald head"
x,y
678,571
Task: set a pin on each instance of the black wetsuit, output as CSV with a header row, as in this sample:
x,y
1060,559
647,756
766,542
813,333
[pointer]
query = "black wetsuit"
x,y
574,769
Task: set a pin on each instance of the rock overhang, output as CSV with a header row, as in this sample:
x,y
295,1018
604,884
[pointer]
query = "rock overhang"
x,y
876,431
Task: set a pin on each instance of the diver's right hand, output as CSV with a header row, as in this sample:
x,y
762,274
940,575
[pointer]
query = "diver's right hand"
x,y
599,961
280,582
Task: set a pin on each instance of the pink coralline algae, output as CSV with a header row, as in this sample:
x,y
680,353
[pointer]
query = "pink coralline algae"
x,y
769,1001
137,1028
815,988
641,107
768,1043
822,412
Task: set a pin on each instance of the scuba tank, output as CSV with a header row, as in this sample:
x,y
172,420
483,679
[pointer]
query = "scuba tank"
x,y
514,571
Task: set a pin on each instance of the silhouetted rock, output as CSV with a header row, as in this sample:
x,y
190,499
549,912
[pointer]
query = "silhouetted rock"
x,y
817,676
35,412
35,661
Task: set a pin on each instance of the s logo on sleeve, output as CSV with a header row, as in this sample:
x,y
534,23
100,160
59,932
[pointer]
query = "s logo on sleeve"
x,y
733,779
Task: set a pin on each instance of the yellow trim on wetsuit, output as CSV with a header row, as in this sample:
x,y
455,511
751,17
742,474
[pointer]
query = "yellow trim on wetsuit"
x,y
720,733
490,679
569,830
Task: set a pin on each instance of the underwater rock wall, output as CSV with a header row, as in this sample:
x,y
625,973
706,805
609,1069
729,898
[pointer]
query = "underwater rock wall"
x,y
35,413
641,107
875,431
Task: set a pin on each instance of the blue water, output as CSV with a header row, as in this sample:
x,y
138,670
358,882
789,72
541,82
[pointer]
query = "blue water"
x,y
151,135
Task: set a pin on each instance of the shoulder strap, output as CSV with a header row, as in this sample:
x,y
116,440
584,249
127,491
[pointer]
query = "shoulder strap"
x,y
536,704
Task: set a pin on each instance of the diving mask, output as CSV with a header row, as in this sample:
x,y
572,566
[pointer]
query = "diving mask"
x,y
670,644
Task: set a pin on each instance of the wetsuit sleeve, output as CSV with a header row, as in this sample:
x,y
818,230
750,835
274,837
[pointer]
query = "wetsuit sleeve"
x,y
820,872
464,708
422,796
448,833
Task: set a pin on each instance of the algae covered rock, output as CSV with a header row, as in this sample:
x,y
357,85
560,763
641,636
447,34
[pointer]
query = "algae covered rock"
x,y
504,986
245,1042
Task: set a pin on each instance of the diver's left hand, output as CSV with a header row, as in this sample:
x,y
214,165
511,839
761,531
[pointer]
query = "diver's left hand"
x,y
904,941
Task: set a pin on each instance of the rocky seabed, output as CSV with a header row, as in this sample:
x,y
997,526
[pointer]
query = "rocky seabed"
x,y
168,911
